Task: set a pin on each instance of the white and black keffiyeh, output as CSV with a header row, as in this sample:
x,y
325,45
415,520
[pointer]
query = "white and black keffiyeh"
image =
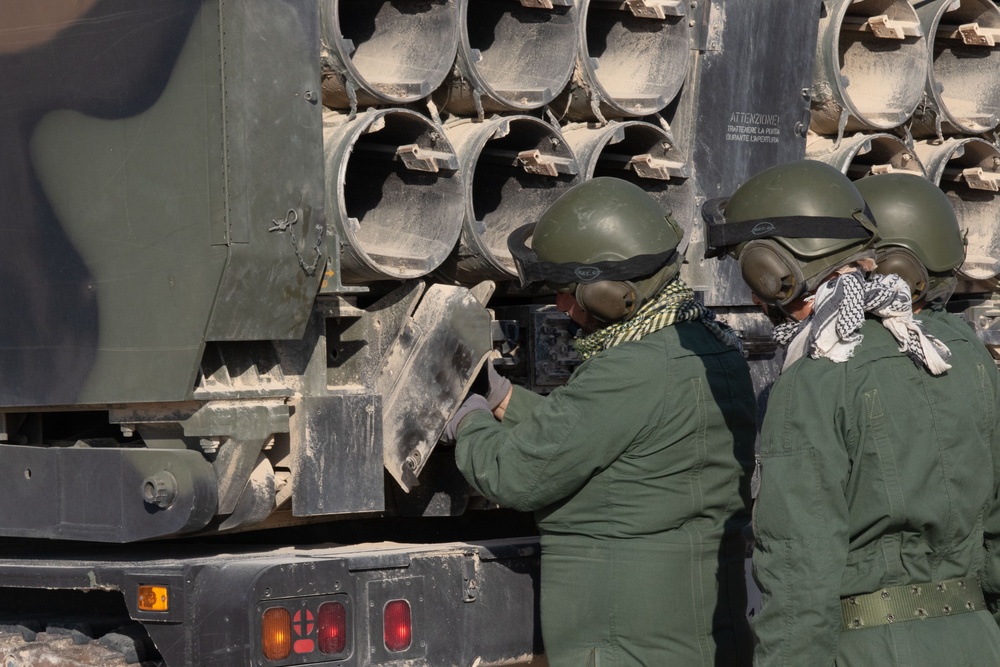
x,y
832,330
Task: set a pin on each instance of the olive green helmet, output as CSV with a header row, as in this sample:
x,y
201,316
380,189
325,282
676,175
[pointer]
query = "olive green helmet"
x,y
607,240
789,227
921,239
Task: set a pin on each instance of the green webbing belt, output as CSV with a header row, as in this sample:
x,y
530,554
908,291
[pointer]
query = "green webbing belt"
x,y
912,602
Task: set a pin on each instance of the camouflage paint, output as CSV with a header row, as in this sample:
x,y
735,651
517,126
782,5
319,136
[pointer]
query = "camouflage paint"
x,y
146,151
113,62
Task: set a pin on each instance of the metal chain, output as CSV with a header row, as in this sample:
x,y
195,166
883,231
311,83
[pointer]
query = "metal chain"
x,y
291,219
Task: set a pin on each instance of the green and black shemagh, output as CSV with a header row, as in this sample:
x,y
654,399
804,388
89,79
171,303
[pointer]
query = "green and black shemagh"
x,y
674,303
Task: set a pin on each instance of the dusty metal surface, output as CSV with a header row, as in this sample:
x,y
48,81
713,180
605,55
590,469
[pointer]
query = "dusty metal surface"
x,y
385,52
394,193
427,373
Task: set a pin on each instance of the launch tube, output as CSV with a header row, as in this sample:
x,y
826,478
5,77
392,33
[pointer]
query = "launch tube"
x,y
865,154
963,78
637,151
514,167
394,193
870,67
633,59
967,169
512,56
385,52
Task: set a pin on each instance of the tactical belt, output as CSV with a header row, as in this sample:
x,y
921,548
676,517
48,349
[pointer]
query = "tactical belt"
x,y
912,602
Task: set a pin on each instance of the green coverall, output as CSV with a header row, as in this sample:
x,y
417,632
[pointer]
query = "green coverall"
x,y
874,474
637,471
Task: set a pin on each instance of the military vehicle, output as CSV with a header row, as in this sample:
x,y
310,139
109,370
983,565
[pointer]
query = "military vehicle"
x,y
254,255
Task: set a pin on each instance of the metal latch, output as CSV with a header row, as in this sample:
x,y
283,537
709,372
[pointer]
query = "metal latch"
x,y
646,166
416,158
536,162
971,34
977,179
655,9
546,4
882,26
885,169
887,28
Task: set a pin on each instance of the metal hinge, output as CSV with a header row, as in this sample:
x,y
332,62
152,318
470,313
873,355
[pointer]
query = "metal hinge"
x,y
470,577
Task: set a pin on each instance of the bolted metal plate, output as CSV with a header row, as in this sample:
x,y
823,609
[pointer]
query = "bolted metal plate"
x,y
426,374
62,492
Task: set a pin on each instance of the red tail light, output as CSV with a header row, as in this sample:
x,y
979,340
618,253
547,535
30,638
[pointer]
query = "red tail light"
x,y
397,630
332,621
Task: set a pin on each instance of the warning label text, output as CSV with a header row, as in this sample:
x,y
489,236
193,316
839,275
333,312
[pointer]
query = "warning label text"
x,y
753,127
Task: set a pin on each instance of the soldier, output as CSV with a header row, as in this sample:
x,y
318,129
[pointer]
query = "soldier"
x,y
879,453
921,239
637,468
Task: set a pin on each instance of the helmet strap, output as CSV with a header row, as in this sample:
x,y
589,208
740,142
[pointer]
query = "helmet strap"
x,y
532,270
721,236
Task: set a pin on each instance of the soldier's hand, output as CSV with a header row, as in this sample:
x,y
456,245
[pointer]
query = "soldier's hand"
x,y
499,386
472,403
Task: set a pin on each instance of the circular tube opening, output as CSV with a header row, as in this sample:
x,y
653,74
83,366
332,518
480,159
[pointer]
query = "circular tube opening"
x,y
515,167
393,51
636,64
636,151
873,60
865,154
518,57
397,193
968,171
965,69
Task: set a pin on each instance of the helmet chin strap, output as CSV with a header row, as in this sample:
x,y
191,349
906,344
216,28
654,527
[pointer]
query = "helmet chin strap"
x,y
788,316
940,289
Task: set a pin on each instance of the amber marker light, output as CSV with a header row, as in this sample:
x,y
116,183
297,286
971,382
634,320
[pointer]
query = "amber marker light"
x,y
153,598
276,633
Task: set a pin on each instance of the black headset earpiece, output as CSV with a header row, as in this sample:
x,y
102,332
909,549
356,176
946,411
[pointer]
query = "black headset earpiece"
x,y
771,272
902,262
608,300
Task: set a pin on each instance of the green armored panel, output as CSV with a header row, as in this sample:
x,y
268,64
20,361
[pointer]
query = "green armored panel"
x,y
143,157
274,165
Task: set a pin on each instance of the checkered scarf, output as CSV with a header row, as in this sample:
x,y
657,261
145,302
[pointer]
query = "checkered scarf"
x,y
832,330
674,303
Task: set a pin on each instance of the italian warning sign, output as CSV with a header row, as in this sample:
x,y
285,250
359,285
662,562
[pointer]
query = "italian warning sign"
x,y
753,128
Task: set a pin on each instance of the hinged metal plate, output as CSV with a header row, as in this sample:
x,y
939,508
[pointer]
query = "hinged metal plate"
x,y
427,373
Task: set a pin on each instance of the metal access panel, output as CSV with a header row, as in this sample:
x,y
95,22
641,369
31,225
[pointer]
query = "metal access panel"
x,y
108,268
273,159
752,79
338,455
